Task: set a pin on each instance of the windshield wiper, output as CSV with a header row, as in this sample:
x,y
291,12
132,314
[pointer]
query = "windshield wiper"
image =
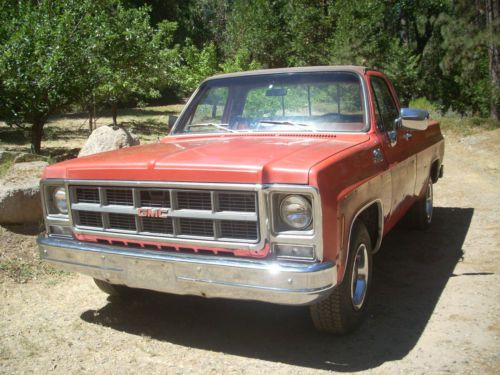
x,y
295,124
217,126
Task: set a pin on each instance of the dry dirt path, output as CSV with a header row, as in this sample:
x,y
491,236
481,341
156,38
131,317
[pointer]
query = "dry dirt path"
x,y
435,306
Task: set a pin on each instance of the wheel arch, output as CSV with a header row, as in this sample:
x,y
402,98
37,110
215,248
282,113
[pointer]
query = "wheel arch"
x,y
371,215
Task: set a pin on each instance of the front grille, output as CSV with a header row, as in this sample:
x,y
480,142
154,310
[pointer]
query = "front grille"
x,y
87,195
168,213
157,225
244,202
122,221
155,198
197,227
89,219
121,197
193,200
238,229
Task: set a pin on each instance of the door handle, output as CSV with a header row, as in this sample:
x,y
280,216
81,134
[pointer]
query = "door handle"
x,y
407,136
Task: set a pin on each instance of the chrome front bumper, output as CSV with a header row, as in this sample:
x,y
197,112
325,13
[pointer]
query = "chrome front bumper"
x,y
207,276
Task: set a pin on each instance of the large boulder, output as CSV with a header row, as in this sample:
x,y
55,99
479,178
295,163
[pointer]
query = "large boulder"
x,y
20,201
108,138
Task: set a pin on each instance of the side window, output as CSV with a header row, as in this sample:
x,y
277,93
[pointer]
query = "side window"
x,y
386,111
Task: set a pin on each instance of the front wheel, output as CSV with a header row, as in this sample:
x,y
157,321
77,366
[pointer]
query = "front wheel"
x,y
345,308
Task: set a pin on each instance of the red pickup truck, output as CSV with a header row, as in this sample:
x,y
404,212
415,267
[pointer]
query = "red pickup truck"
x,y
273,185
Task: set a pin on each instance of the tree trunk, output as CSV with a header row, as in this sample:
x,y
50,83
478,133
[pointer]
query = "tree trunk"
x,y
91,119
491,16
36,135
94,114
114,112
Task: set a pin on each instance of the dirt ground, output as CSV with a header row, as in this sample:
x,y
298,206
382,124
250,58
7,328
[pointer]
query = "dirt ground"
x,y
434,308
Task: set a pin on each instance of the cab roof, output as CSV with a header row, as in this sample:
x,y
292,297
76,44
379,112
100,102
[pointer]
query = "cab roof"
x,y
305,69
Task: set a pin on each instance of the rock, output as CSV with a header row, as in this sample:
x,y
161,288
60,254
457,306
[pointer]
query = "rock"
x,y
20,201
108,138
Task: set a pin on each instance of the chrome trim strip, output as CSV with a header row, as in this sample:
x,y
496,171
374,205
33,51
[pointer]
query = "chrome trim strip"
x,y
286,290
207,276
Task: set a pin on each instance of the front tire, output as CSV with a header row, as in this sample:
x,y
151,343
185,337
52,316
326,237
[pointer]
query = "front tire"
x,y
345,308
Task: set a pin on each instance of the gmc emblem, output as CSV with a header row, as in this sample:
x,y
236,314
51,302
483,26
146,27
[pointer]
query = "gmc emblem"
x,y
153,212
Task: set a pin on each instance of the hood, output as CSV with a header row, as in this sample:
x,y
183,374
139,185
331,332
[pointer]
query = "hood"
x,y
218,158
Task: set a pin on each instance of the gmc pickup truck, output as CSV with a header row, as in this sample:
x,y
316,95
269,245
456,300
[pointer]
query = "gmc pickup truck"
x,y
273,185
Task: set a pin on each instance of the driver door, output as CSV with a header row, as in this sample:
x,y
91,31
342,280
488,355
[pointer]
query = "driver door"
x,y
401,162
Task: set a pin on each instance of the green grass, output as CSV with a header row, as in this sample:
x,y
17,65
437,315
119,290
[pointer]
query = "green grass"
x,y
6,162
467,125
452,122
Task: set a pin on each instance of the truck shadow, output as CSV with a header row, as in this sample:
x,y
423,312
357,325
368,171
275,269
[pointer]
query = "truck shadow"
x,y
411,271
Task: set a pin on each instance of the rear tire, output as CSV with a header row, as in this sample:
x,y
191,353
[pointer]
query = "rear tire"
x,y
345,308
113,289
421,212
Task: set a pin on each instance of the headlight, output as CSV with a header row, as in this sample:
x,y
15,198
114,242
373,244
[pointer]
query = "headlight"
x,y
296,211
60,201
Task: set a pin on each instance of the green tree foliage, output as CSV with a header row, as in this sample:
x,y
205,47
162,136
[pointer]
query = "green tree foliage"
x,y
465,62
109,52
194,65
360,36
309,26
128,58
55,54
259,28
441,49
42,64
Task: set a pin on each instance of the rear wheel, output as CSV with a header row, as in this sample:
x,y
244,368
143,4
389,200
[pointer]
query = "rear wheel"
x,y
345,308
421,212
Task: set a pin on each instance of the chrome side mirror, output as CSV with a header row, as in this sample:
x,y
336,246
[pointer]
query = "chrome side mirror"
x,y
414,119
171,121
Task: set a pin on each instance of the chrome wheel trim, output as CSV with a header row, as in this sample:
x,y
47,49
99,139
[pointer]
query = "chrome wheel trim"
x,y
429,202
359,277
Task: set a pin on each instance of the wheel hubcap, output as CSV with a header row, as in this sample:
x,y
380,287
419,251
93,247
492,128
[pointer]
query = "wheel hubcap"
x,y
428,203
359,277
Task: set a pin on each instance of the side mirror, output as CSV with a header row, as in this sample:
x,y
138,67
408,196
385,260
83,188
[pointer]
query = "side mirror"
x,y
414,119
171,121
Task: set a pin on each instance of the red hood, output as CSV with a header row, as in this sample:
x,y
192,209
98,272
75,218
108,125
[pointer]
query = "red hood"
x,y
221,158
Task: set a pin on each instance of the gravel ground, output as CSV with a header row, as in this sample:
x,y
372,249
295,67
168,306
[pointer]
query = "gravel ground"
x,y
434,308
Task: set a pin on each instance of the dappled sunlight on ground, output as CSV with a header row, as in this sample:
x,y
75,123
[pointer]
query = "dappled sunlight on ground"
x,y
65,134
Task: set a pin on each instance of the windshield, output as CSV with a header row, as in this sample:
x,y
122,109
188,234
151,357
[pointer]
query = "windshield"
x,y
299,102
